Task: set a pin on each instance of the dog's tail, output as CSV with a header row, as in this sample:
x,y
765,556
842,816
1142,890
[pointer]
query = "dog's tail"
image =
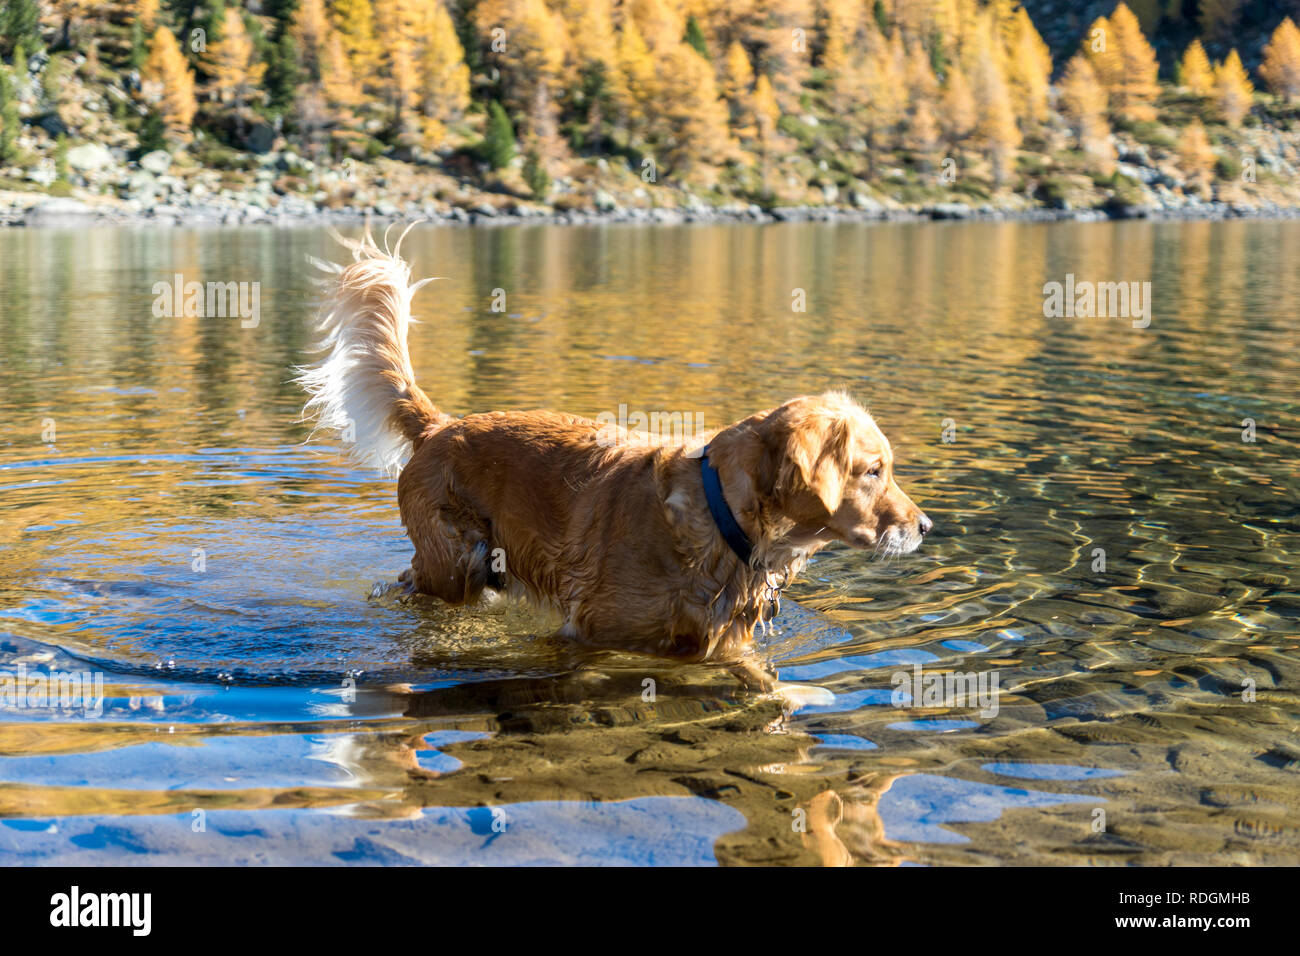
x,y
364,386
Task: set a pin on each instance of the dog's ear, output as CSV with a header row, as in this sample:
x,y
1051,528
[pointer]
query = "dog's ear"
x,y
819,447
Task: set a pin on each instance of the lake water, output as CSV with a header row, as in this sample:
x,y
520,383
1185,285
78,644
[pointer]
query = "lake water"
x,y
1108,550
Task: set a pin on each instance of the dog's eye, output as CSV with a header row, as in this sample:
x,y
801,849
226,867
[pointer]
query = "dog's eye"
x,y
871,471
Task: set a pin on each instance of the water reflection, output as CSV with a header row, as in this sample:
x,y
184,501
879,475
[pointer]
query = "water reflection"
x,y
131,444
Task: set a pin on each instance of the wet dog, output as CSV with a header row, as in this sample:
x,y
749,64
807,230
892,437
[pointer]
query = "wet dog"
x,y
674,548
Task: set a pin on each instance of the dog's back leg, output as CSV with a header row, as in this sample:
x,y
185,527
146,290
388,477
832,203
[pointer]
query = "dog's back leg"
x,y
450,563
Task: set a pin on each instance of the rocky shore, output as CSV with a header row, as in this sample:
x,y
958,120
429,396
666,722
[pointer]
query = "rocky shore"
x,y
202,210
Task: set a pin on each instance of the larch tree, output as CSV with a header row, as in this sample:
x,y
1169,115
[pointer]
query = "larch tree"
x,y
146,14
539,48
338,82
839,28
767,113
232,64
923,133
354,21
1233,90
1134,89
958,116
444,75
311,31
690,119
996,128
1194,70
169,81
1281,66
397,25
593,37
1083,103
1102,51
635,83
1196,158
922,85
1029,70
737,78
661,25
874,96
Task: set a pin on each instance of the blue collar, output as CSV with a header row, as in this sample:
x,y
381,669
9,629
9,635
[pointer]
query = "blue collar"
x,y
722,516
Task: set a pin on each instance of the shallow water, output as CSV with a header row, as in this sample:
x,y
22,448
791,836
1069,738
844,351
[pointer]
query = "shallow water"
x,y
164,524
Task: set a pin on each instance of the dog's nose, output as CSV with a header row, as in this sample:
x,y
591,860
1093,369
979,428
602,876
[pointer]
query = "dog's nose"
x,y
924,523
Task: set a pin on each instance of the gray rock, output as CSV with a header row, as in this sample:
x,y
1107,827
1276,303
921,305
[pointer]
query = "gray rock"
x,y
141,184
156,162
604,201
950,210
60,212
89,158
165,213
386,207
260,138
53,125
485,209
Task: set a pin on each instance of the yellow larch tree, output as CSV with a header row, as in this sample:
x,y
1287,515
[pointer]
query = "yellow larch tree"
x,y
690,119
444,75
311,32
338,83
397,25
1196,158
1083,103
1102,51
1233,90
1029,69
996,127
146,14
922,85
170,82
1194,70
661,25
1281,66
839,27
593,39
767,113
958,116
354,21
232,64
1133,88
737,78
923,133
635,82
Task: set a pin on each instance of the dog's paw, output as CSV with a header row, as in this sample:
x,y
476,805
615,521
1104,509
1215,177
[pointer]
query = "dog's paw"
x,y
400,591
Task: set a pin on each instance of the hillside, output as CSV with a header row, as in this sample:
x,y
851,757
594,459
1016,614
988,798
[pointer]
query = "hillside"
x,y
645,109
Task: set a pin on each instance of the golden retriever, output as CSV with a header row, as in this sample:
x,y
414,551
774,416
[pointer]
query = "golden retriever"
x,y
676,549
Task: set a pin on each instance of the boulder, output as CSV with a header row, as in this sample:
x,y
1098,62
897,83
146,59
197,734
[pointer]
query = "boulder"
x,y
950,210
60,212
156,162
89,158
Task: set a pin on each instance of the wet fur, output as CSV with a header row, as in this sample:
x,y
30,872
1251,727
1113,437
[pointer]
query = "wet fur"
x,y
615,535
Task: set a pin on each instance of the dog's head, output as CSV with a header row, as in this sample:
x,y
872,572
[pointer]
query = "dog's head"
x,y
821,463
